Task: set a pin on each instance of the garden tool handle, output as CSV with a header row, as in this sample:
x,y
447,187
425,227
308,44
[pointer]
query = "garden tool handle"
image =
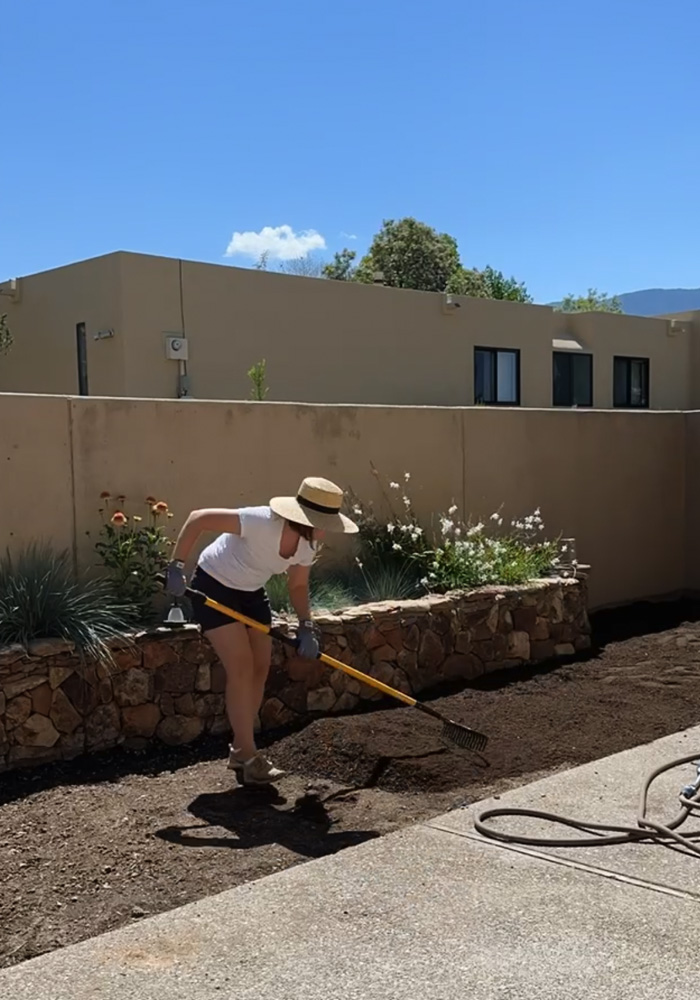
x,y
288,641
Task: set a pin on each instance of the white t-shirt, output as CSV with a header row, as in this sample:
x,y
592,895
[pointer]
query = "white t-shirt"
x,y
247,561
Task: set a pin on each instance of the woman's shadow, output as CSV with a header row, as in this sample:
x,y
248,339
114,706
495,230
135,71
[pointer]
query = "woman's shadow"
x,y
257,817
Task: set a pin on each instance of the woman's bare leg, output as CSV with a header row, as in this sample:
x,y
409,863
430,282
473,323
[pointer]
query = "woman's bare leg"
x,y
262,655
232,644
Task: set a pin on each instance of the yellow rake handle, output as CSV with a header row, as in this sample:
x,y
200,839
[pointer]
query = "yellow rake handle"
x,y
329,660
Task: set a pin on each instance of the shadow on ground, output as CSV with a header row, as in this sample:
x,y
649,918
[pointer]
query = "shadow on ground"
x,y
262,816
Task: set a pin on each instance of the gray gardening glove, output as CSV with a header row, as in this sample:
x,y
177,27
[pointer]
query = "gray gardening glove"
x,y
175,579
308,645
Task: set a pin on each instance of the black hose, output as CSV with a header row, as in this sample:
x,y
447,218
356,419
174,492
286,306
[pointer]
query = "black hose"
x,y
601,834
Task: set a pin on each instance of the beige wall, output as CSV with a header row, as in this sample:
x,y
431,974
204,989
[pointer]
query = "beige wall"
x,y
692,525
341,342
43,357
36,472
689,323
605,335
323,341
615,481
151,308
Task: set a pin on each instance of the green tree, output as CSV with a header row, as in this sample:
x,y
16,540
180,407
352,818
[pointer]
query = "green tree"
x,y
410,254
5,335
595,301
341,268
468,281
500,287
487,284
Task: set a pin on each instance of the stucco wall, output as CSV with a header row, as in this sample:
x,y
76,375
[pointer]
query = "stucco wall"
x,y
615,481
43,321
692,519
324,341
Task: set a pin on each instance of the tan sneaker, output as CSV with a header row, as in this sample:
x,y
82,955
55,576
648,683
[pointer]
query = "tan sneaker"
x,y
259,771
234,763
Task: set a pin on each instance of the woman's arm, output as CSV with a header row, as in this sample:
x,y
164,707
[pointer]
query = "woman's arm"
x,y
308,644
217,519
298,585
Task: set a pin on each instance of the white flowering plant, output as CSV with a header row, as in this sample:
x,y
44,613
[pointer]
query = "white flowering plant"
x,y
395,539
454,554
475,554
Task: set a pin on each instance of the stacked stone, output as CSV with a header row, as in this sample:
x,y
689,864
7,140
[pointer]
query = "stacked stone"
x,y
167,685
416,645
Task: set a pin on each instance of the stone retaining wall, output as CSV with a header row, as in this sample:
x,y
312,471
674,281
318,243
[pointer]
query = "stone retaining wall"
x,y
168,686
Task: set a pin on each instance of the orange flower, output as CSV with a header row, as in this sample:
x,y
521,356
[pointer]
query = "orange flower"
x,y
119,518
105,496
150,501
121,498
160,508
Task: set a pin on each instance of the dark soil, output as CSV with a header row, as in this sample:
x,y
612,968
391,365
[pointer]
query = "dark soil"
x,y
91,845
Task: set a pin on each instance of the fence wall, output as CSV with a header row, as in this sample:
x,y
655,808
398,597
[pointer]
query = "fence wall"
x,y
614,480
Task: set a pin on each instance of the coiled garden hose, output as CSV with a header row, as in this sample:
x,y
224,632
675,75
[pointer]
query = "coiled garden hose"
x,y
601,834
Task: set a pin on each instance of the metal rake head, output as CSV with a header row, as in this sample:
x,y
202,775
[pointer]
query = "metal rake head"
x,y
464,737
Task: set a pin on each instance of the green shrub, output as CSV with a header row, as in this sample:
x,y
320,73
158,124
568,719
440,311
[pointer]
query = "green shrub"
x,y
470,555
41,598
395,550
278,594
331,594
390,581
326,593
134,549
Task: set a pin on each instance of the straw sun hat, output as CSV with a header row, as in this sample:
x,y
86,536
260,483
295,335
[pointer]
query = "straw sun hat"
x,y
317,504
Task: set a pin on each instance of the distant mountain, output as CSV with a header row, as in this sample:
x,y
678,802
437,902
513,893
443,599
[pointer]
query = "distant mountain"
x,y
658,301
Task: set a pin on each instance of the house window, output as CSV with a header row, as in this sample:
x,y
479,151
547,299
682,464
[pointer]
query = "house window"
x,y
631,382
496,377
572,379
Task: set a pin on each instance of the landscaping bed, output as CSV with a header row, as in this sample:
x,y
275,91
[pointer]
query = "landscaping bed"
x,y
167,687
89,845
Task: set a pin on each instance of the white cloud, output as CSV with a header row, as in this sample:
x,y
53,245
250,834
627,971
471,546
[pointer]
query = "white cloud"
x,y
348,236
278,242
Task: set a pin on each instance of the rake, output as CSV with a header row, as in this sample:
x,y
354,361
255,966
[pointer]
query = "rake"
x,y
461,736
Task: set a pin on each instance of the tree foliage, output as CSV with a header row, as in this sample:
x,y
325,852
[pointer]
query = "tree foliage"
x,y
341,268
487,284
499,287
594,301
410,254
407,253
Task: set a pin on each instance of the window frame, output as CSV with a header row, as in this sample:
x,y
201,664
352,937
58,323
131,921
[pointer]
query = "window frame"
x,y
573,354
495,351
629,361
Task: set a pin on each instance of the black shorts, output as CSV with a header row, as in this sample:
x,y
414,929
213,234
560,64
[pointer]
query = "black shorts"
x,y
253,604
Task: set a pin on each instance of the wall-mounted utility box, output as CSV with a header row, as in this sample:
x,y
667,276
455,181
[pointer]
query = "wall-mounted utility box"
x,y
176,348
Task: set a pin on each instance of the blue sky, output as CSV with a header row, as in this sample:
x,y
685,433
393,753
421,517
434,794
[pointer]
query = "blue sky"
x,y
556,141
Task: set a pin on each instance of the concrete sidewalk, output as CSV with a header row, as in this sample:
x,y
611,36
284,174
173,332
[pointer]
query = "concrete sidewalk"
x,y
433,911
